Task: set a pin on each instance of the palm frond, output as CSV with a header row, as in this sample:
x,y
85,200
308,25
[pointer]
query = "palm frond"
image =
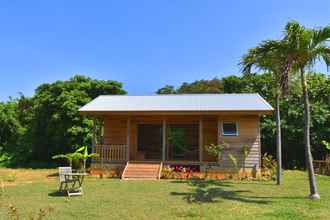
x,y
321,53
320,36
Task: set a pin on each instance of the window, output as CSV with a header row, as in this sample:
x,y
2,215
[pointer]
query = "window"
x,y
229,129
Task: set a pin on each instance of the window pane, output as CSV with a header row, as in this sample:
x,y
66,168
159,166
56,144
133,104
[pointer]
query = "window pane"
x,y
229,128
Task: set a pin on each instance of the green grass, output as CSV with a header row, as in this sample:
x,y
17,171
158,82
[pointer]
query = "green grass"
x,y
170,199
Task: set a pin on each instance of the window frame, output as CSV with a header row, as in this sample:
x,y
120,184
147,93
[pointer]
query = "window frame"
x,y
232,134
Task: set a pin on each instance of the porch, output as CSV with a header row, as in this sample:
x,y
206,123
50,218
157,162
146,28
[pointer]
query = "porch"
x,y
174,139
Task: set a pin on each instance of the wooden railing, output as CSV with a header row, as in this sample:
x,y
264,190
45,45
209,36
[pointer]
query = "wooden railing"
x,y
111,152
322,167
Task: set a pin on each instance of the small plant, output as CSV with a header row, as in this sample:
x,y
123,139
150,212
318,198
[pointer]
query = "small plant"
x,y
216,150
234,161
245,153
167,172
10,177
269,165
43,213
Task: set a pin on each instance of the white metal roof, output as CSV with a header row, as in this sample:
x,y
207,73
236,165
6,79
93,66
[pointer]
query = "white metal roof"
x,y
191,102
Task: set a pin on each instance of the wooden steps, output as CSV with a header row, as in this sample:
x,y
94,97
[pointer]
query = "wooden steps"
x,y
142,171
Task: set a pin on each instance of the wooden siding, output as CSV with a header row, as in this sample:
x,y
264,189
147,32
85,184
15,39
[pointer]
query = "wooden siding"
x,y
115,133
248,128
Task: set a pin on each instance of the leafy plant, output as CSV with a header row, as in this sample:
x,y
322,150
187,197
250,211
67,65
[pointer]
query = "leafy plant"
x,y
233,160
326,144
216,150
80,154
42,213
327,147
269,165
168,172
245,153
84,155
70,157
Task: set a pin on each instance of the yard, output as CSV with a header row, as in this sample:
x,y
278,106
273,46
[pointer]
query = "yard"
x,y
28,191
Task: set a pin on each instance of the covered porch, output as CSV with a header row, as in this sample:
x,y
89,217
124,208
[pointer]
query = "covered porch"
x,y
171,139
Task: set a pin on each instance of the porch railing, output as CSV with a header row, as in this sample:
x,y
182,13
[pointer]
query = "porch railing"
x,y
111,152
322,167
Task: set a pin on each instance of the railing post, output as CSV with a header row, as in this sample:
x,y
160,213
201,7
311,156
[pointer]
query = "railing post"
x,y
128,138
94,136
201,139
164,140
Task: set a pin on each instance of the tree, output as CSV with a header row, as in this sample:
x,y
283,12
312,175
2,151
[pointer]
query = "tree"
x,y
198,86
306,46
166,90
270,56
12,133
56,126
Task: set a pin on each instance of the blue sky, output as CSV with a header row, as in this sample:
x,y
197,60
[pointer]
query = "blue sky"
x,y
144,44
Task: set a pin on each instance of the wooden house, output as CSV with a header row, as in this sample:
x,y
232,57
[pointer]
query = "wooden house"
x,y
142,134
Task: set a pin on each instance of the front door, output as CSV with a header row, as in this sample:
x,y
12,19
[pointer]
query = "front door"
x,y
150,141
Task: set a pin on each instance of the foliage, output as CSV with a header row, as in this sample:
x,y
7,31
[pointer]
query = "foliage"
x,y
292,113
216,149
168,172
326,144
13,213
269,165
233,160
12,132
245,151
199,86
34,129
81,154
176,139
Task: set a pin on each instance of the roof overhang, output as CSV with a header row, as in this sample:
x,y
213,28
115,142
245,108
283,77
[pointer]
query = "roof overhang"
x,y
203,104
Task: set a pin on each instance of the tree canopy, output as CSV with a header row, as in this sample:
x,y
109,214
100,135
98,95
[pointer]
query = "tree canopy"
x,y
291,108
36,128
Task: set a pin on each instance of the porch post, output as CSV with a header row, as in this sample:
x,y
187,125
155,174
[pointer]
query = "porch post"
x,y
218,131
200,139
94,136
128,138
164,140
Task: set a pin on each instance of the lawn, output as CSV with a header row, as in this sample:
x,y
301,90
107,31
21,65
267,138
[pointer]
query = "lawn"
x,y
32,190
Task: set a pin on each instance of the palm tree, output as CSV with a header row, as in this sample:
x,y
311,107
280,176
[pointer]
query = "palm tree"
x,y
271,56
306,47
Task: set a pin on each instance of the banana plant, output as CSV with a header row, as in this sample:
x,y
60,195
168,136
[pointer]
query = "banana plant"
x,y
80,154
84,155
70,157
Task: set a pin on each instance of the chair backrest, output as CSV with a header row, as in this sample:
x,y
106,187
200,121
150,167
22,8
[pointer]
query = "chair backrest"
x,y
62,171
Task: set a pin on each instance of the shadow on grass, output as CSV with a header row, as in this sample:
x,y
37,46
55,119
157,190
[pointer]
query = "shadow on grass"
x,y
212,190
57,194
53,174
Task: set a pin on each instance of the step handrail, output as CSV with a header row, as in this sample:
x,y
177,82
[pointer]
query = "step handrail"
x,y
123,174
160,170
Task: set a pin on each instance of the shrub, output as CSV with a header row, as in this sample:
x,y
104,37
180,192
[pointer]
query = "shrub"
x,y
269,166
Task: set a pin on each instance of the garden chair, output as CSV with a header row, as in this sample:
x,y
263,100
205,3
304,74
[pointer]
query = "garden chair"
x,y
71,183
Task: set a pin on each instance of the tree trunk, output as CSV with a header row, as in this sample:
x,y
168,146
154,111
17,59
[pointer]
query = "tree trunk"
x,y
278,141
309,160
